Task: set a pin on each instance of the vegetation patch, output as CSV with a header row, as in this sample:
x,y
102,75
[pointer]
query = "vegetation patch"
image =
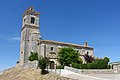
x,y
66,56
96,64
33,56
42,61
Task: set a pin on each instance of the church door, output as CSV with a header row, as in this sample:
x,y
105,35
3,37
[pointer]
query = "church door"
x,y
52,64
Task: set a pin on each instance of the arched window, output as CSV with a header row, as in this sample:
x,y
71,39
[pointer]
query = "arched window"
x,y
32,20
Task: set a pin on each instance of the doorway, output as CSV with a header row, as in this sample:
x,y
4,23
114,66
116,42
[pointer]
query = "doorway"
x,y
52,64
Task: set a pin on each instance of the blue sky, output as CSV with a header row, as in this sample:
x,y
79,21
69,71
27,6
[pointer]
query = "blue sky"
x,y
74,21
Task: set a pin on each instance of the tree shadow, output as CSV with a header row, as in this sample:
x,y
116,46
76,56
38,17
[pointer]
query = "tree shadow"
x,y
43,72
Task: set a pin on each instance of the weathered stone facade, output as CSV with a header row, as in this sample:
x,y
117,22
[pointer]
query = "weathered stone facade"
x,y
31,41
50,49
30,34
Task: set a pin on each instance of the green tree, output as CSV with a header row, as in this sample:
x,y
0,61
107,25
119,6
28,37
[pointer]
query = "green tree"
x,y
43,62
67,56
106,59
33,56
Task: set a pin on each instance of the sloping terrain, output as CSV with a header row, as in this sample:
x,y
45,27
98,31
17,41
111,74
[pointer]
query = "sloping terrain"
x,y
19,73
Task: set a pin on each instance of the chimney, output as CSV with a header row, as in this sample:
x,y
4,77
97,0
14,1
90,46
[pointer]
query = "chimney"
x,y
85,44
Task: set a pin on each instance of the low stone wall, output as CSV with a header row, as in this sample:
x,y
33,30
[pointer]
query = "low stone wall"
x,y
97,71
73,69
90,71
57,71
33,64
116,68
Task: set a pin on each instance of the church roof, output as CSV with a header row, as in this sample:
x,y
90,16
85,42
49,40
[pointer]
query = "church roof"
x,y
66,44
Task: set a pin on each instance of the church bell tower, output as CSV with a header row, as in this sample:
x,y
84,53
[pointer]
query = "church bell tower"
x,y
30,34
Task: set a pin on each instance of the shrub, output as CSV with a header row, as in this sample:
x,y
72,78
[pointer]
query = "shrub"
x,y
106,59
43,62
33,56
97,64
75,65
60,67
80,61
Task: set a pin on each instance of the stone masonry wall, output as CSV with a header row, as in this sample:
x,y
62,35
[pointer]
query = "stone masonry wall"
x,y
92,71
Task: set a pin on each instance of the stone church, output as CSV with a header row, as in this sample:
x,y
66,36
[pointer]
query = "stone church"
x,y
31,41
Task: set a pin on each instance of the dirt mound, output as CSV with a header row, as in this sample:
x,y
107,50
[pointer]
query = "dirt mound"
x,y
19,73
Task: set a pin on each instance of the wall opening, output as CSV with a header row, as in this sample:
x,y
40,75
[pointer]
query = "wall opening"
x,y
32,20
52,64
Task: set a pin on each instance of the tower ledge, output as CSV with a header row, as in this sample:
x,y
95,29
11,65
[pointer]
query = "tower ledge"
x,y
31,11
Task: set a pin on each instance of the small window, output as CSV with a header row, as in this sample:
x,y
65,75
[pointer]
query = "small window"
x,y
88,53
32,20
52,48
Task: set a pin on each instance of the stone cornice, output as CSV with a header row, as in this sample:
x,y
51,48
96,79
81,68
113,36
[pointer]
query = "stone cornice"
x,y
29,26
65,44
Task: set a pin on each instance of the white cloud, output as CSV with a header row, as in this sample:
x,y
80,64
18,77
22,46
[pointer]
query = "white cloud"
x,y
15,38
6,46
9,38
